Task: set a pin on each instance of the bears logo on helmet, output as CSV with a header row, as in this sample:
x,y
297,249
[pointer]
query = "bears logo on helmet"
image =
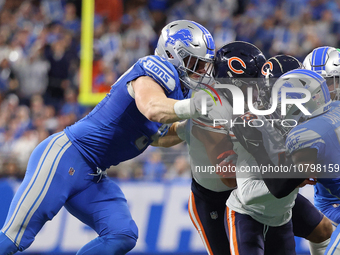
x,y
237,71
238,63
266,68
271,71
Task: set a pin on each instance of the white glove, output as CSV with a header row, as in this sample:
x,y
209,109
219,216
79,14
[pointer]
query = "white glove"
x,y
196,104
191,108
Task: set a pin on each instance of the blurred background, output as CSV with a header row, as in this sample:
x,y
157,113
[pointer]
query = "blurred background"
x,y
40,42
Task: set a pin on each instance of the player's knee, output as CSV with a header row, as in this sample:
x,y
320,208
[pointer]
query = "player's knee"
x,y
109,245
120,244
322,232
7,246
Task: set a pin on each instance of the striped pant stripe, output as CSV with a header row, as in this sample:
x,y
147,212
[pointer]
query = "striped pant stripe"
x,y
37,188
232,231
197,223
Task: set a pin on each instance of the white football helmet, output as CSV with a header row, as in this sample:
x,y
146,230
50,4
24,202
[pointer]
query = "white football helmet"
x,y
326,62
305,79
190,48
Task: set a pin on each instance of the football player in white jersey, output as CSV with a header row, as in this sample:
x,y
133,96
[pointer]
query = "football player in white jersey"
x,y
314,228
206,141
307,222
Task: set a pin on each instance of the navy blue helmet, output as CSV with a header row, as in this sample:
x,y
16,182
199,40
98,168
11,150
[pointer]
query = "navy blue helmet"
x,y
238,63
272,70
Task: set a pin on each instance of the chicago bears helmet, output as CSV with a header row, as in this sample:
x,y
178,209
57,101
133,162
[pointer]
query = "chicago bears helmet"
x,y
326,62
271,71
238,63
191,49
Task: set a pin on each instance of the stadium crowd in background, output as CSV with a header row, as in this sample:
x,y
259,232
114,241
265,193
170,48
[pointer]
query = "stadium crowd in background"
x,y
40,49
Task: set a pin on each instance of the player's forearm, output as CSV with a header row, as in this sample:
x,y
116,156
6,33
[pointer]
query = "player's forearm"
x,y
167,141
279,187
161,110
175,135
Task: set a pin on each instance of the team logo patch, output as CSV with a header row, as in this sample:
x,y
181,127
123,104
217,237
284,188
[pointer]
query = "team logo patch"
x,y
241,62
184,35
294,95
266,68
71,171
214,215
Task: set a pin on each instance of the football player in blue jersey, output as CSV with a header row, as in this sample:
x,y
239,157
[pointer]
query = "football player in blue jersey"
x,y
326,62
69,168
314,144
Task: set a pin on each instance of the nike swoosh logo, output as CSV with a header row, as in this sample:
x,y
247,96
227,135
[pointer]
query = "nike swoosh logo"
x,y
255,144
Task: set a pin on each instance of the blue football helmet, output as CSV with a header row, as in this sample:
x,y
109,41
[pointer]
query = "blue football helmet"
x,y
318,103
326,62
191,49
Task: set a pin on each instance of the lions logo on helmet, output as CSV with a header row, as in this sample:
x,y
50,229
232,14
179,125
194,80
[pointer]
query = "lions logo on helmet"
x,y
191,49
184,35
326,62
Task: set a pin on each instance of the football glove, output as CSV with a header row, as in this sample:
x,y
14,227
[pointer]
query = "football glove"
x,y
196,104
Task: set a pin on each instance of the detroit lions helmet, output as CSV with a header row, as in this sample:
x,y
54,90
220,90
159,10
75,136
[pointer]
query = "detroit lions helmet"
x,y
191,49
307,80
271,71
326,62
238,63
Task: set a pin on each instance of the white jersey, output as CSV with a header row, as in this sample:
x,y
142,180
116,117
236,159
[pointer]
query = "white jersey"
x,y
252,196
199,161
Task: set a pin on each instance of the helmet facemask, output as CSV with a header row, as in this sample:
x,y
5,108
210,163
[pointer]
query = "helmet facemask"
x,y
333,86
195,71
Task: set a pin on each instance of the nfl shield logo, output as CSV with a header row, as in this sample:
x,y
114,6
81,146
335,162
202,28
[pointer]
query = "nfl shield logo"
x,y
214,215
71,171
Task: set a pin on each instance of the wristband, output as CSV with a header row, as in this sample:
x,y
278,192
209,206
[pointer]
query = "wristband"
x,y
183,110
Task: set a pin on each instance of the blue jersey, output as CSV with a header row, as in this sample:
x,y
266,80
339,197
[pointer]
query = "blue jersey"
x,y
323,134
322,197
115,130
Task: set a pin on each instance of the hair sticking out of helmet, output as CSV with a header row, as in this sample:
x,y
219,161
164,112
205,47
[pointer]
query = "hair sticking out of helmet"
x,y
302,79
271,71
326,62
191,49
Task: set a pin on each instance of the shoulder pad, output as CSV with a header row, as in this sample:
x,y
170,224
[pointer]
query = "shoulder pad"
x,y
300,138
161,71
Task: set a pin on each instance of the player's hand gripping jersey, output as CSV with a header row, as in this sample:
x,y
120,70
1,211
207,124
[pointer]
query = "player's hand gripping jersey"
x,y
252,196
121,132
